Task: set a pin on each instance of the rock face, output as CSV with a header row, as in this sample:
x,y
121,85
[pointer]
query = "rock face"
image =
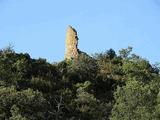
x,y
71,51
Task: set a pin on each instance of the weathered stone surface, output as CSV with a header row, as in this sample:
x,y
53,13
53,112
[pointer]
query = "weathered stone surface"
x,y
71,51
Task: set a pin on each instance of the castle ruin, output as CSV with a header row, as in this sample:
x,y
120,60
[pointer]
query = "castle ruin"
x,y
71,51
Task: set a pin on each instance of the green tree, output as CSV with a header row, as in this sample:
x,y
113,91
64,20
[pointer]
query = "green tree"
x,y
26,104
133,102
86,103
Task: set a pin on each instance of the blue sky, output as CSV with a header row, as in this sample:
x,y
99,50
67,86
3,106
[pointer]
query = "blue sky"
x,y
38,27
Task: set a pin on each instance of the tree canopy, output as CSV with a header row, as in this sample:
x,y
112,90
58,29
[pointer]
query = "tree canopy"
x,y
104,86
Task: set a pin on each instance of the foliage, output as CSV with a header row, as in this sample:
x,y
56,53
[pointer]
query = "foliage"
x,y
99,87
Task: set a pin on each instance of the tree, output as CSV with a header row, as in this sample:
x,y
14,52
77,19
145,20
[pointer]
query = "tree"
x,y
85,68
86,103
124,53
25,104
133,102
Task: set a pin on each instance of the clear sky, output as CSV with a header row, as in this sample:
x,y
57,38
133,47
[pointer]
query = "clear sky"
x,y
38,27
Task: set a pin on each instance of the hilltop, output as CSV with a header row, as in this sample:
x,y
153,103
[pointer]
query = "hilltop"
x,y
99,87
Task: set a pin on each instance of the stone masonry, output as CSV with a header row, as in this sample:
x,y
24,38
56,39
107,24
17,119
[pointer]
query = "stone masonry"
x,y
71,51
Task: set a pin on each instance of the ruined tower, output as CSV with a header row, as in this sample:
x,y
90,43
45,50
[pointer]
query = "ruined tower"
x,y
71,51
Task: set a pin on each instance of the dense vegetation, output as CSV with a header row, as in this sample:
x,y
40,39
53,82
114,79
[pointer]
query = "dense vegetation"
x,y
107,85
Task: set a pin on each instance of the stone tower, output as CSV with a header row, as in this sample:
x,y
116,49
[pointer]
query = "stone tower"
x,y
71,51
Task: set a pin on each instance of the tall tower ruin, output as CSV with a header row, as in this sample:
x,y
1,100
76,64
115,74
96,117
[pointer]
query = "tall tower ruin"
x,y
71,51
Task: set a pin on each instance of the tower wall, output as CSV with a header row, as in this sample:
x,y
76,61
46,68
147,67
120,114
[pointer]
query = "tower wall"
x,y
71,51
